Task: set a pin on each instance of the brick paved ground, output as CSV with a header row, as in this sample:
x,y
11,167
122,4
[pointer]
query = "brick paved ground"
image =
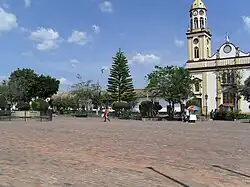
x,y
87,152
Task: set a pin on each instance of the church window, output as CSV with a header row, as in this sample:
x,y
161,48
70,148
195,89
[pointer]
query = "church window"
x,y
197,87
195,23
228,77
196,52
228,98
202,22
191,23
207,52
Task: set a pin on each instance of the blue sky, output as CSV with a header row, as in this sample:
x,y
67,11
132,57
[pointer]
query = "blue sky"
x,y
70,37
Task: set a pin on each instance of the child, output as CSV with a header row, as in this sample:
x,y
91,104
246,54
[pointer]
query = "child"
x,y
106,114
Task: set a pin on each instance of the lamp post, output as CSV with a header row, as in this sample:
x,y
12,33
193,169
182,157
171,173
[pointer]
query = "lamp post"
x,y
206,97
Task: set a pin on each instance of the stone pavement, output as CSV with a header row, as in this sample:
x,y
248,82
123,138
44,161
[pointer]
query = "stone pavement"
x,y
73,152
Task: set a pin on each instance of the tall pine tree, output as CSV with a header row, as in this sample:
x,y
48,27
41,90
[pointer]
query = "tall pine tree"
x,y
120,83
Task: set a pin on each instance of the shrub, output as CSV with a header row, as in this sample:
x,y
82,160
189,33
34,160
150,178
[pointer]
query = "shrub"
x,y
43,105
149,109
23,106
3,102
121,105
35,105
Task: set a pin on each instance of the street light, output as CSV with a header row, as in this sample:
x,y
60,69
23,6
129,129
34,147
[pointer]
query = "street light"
x,y
206,97
216,99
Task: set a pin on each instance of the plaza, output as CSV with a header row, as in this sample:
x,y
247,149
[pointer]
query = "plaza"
x,y
88,152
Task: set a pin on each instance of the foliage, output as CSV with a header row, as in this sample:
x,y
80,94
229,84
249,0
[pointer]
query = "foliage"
x,y
43,105
25,84
149,109
121,105
125,115
193,101
65,102
230,80
246,89
87,93
23,106
172,83
46,86
35,105
120,83
3,102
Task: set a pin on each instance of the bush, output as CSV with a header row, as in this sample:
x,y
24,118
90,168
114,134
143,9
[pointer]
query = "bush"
x,y
125,115
149,109
35,105
3,102
81,114
121,105
43,105
23,106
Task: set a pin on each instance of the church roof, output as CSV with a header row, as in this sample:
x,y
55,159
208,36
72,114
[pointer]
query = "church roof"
x,y
198,4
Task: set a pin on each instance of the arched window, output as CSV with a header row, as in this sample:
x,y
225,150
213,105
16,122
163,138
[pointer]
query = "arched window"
x,y
207,52
195,23
201,22
196,52
191,23
197,87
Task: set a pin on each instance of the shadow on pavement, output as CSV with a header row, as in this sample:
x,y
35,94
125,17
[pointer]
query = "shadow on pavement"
x,y
168,177
232,171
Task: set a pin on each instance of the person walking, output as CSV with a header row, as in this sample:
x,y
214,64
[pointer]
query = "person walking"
x,y
106,114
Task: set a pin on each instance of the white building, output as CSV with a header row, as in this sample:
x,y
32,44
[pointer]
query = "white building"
x,y
214,73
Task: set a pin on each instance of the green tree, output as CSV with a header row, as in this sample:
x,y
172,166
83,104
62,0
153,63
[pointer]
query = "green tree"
x,y
25,84
172,83
46,86
21,84
246,89
120,83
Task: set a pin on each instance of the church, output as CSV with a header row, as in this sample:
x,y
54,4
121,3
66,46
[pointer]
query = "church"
x,y
219,75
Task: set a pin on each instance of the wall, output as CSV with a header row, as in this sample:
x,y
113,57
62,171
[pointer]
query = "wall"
x,y
22,114
211,90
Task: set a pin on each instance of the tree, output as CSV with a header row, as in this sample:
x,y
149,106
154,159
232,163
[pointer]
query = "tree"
x,y
172,83
120,83
46,86
21,84
246,89
25,84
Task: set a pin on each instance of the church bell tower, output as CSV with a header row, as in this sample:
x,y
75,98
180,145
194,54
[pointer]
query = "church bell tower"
x,y
198,34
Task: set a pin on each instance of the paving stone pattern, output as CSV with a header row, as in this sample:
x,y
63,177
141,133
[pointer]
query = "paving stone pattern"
x,y
74,152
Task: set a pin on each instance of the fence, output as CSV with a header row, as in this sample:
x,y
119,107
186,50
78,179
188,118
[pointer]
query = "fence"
x,y
26,115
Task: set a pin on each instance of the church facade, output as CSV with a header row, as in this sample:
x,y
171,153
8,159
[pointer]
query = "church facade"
x,y
218,76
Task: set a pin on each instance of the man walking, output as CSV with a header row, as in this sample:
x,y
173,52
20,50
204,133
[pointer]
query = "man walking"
x,y
106,114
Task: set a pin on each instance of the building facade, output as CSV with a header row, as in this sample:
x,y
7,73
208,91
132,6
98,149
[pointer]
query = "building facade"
x,y
217,76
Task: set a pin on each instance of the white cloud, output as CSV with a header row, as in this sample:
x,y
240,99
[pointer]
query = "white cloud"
x,y
48,38
28,53
23,29
179,43
145,59
8,21
6,6
96,29
106,6
27,3
246,20
74,62
78,37
64,81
